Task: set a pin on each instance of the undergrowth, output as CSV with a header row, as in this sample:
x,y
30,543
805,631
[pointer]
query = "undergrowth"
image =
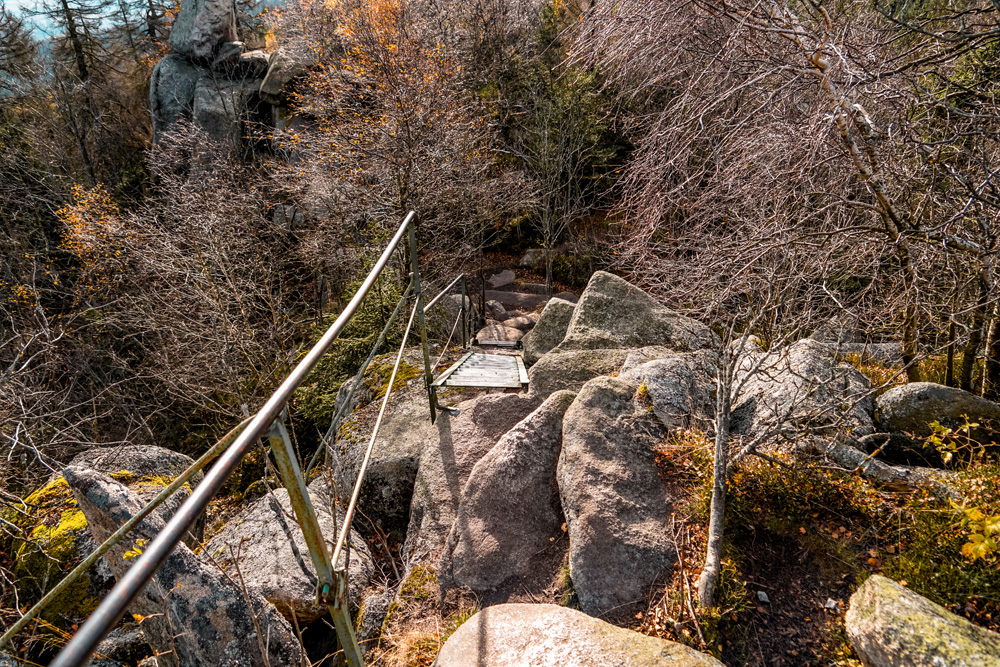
x,y
844,528
932,369
315,399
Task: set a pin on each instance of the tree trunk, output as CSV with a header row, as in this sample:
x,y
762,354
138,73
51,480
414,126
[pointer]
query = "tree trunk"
x,y
548,270
975,338
991,383
910,344
74,37
949,379
710,572
152,21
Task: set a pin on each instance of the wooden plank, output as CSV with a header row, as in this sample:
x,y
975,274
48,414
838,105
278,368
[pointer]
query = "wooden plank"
x,y
483,370
499,343
522,371
451,369
480,383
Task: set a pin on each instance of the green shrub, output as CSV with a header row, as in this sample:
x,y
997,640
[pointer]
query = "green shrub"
x,y
316,398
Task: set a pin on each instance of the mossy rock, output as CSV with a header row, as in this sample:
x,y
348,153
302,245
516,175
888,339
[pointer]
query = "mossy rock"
x,y
255,491
890,625
55,537
420,586
378,374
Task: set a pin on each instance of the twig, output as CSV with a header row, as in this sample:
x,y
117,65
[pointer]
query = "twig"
x,y
687,597
253,615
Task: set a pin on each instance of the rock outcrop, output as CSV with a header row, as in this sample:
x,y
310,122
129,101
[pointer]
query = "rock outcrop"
x,y
891,626
499,332
210,80
496,311
570,370
548,331
799,386
447,461
193,614
545,635
509,509
220,107
171,91
613,313
385,494
502,279
679,388
202,27
614,500
267,545
523,322
283,68
58,532
910,408
145,470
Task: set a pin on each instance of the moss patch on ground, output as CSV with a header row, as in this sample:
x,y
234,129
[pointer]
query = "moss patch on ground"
x,y
414,629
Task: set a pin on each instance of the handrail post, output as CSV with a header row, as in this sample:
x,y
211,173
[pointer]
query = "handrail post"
x,y
465,318
422,324
482,286
305,513
331,584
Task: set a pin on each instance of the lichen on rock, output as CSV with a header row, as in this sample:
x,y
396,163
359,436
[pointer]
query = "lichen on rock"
x,y
891,626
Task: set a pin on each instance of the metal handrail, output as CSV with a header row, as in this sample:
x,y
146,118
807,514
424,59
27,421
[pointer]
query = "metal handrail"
x,y
79,649
443,292
356,493
356,381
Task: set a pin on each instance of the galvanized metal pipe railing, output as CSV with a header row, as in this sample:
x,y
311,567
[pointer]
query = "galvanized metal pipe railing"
x,y
79,649
443,292
356,493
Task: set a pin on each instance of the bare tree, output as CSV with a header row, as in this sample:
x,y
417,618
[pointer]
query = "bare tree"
x,y
385,127
17,48
800,143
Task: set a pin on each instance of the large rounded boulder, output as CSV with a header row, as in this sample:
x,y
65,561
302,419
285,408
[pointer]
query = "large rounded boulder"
x,y
801,386
614,499
509,511
55,530
549,330
613,313
546,635
911,408
266,544
193,614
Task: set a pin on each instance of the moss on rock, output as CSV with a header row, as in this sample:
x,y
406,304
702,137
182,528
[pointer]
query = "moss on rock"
x,y
421,584
56,538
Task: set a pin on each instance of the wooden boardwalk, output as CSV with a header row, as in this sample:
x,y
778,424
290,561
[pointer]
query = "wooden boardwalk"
x,y
477,369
